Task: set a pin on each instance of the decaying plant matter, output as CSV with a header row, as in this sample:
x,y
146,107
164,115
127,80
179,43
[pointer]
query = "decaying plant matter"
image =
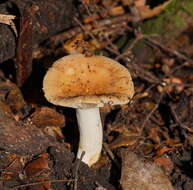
x,y
152,135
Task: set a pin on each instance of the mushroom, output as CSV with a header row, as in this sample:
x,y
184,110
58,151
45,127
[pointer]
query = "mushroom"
x,y
86,84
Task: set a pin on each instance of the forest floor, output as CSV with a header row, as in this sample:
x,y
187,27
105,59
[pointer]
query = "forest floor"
x,y
39,141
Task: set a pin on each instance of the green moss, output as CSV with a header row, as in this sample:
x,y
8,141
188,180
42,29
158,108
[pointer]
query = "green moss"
x,y
188,8
172,20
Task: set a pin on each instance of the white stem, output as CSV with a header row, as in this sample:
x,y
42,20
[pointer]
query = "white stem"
x,y
90,129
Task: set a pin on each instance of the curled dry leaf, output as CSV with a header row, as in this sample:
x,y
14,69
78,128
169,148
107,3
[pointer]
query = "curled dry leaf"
x,y
146,12
54,132
38,170
46,117
118,10
38,166
164,150
154,134
50,121
79,45
70,46
12,96
139,174
165,162
124,140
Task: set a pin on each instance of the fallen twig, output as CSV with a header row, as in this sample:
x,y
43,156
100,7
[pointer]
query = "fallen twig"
x,y
88,27
40,182
141,72
171,52
111,155
127,51
177,120
151,112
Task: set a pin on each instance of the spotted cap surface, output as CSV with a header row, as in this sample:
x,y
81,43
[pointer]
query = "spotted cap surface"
x,y
83,82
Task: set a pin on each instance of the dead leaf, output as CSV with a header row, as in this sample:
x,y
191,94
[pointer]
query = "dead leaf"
x,y
14,166
190,139
103,161
90,2
172,83
124,140
139,3
127,2
38,166
70,46
38,170
118,10
25,45
8,19
165,162
146,12
138,173
79,45
54,132
153,134
164,150
100,188
45,117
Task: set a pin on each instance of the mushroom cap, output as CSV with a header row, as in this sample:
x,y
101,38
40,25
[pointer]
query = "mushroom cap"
x,y
83,82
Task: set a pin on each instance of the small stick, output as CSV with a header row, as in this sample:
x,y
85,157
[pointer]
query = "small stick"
x,y
111,155
139,37
151,112
40,182
76,171
177,120
107,22
141,72
99,186
168,50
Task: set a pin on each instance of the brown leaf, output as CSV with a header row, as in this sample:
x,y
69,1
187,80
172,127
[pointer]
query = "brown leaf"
x,y
12,96
139,3
12,165
45,117
153,134
37,169
124,140
38,166
147,12
166,163
54,132
163,150
118,10
174,83
127,2
8,19
25,45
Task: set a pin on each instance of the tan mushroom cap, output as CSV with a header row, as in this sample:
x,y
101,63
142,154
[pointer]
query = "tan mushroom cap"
x,y
84,82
